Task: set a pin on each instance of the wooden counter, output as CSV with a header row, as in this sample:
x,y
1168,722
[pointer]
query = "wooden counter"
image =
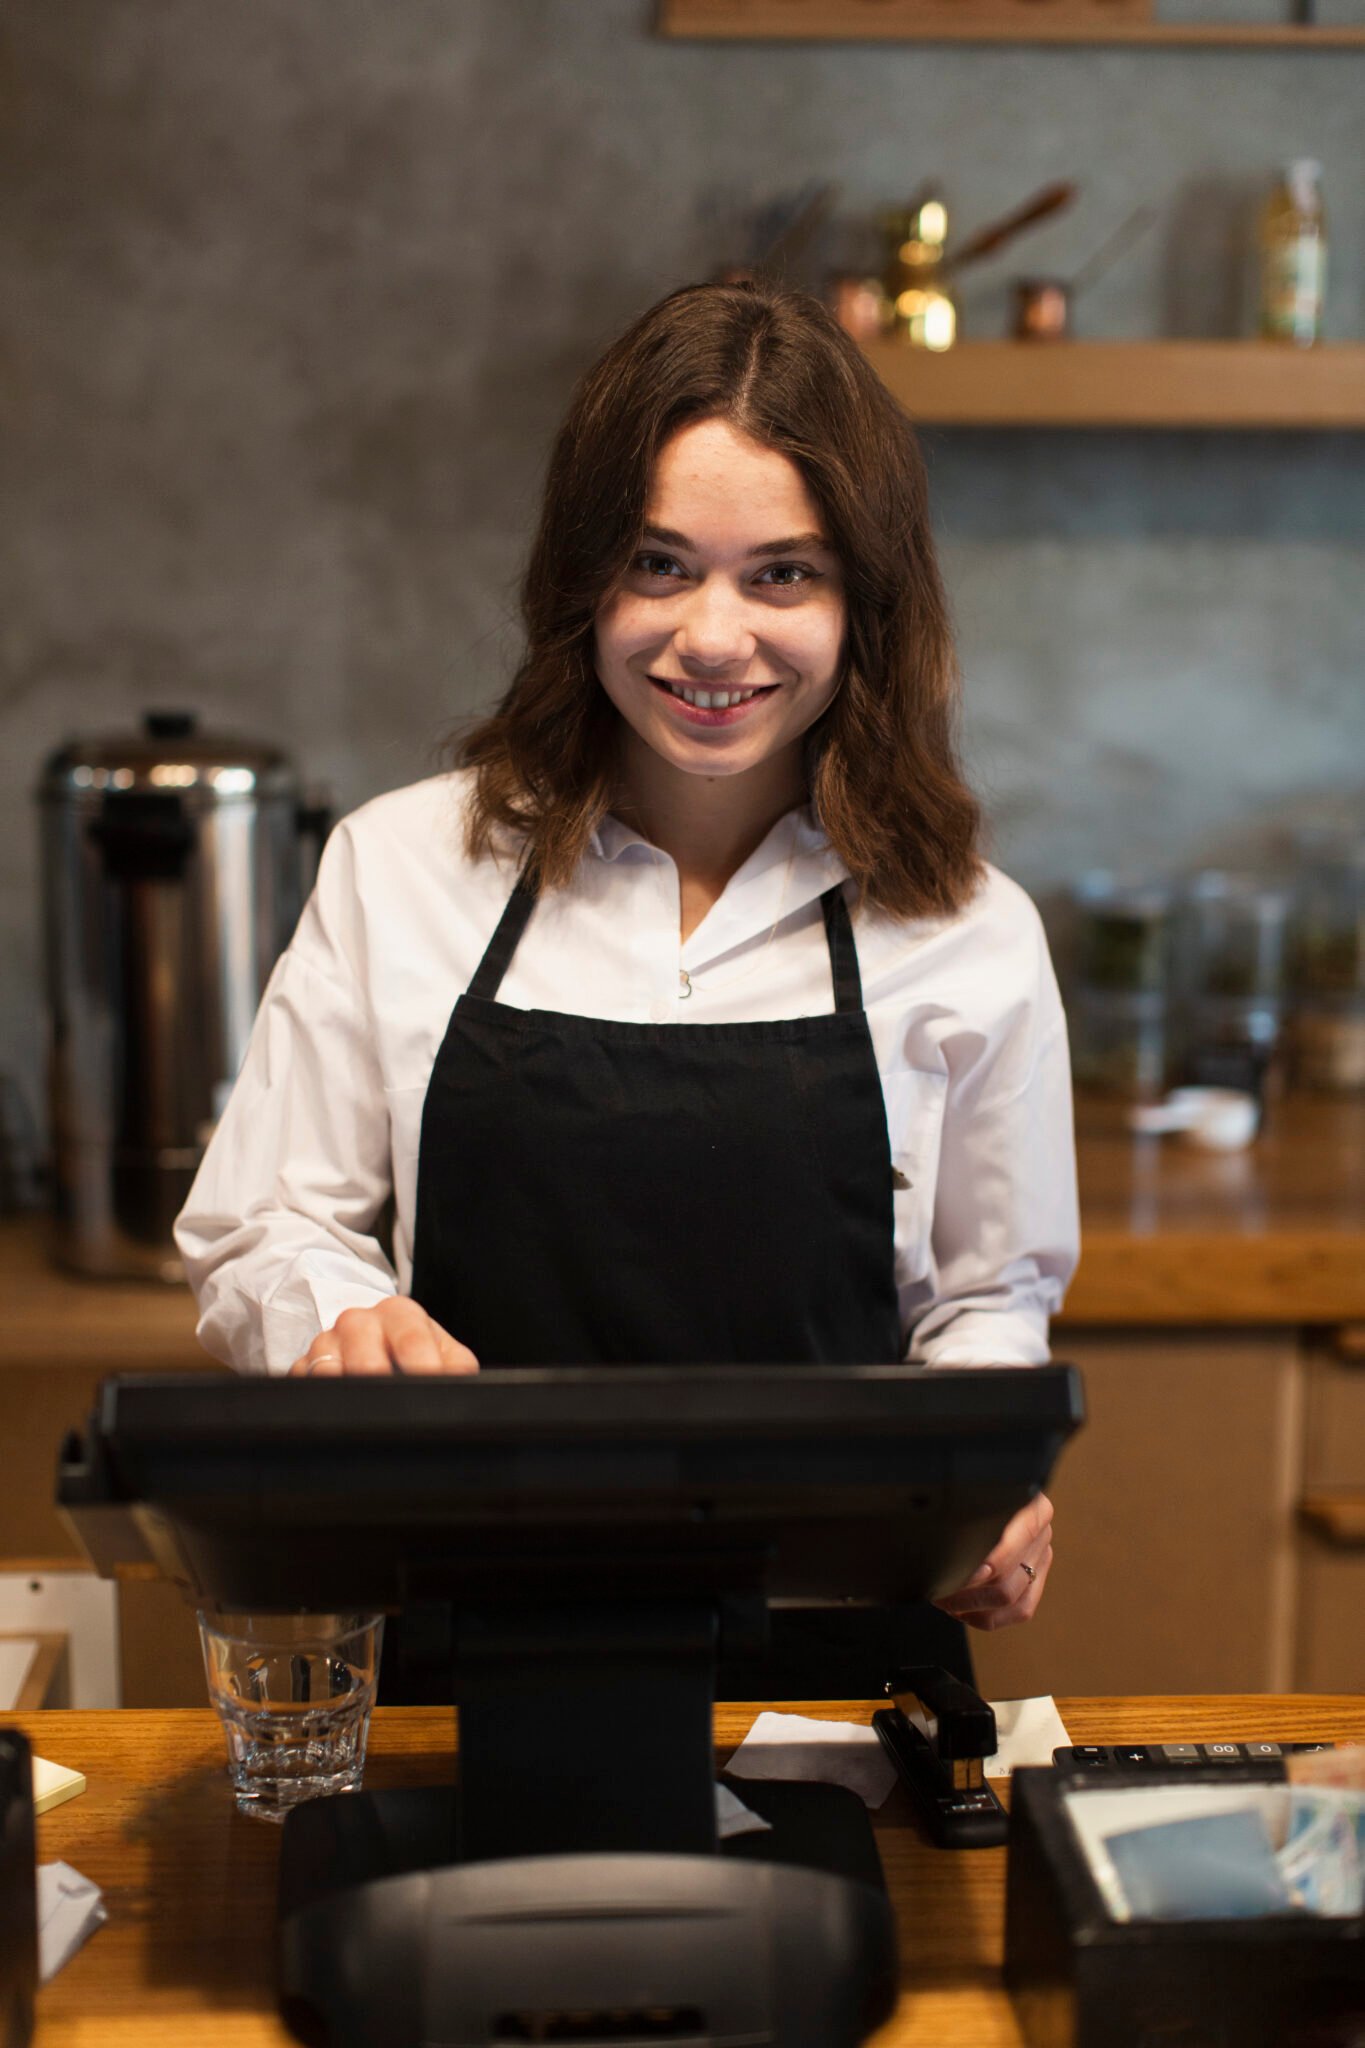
x,y
56,1318
1273,1234
59,1336
1170,1234
188,1949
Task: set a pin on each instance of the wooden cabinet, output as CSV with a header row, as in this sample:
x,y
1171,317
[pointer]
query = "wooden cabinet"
x,y
1184,1558
1329,1633
1219,1319
1173,1561
1329,1638
60,1337
1334,1420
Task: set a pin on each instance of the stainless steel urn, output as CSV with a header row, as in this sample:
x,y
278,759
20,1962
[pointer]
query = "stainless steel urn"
x,y
173,871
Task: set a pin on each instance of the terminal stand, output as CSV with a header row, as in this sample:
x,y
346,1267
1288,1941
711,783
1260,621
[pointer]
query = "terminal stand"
x,y
586,1728
573,1887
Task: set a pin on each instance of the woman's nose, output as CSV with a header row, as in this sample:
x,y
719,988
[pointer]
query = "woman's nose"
x,y
713,631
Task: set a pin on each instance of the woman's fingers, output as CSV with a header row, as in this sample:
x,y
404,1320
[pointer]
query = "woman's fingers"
x,y
455,1357
1012,1598
395,1336
317,1363
1008,1586
417,1344
412,1342
364,1340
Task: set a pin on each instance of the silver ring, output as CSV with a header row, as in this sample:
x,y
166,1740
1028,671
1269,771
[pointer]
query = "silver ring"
x,y
325,1358
1032,1574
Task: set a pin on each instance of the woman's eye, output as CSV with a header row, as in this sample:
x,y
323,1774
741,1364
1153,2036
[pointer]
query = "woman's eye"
x,y
788,575
657,565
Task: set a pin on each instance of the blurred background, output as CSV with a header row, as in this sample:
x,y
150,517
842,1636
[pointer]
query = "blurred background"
x,y
292,297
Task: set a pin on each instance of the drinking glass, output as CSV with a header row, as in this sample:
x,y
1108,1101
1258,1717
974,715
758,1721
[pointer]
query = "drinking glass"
x,y
294,1694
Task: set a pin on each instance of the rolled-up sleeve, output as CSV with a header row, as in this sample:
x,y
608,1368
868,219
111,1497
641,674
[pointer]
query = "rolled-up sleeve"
x,y
278,1233
1006,1227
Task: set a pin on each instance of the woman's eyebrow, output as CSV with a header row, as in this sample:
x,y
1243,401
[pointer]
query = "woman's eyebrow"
x,y
673,539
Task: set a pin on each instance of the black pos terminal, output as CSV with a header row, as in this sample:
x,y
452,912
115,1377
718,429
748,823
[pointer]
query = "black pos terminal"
x,y
595,1539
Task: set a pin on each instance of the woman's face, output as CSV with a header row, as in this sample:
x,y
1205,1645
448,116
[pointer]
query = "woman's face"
x,y
722,644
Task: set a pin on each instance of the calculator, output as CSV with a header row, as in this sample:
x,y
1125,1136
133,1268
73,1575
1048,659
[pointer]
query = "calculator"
x,y
1247,1759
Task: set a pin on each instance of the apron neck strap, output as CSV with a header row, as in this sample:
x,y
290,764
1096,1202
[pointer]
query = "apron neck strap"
x,y
503,944
843,953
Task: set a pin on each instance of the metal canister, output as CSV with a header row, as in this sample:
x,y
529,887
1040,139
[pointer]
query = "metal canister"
x,y
173,874
1042,309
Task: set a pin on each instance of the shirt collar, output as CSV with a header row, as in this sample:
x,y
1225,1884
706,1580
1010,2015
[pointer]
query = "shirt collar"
x,y
790,868
611,839
798,834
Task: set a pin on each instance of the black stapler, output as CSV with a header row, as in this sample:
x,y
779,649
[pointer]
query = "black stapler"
x,y
938,1733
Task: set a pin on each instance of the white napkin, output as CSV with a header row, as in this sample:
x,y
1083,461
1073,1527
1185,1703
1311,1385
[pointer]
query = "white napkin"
x,y
733,1817
70,1908
832,1752
53,1784
1026,1732
842,1753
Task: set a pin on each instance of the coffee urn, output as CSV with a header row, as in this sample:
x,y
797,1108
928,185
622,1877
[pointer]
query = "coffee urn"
x,y
173,873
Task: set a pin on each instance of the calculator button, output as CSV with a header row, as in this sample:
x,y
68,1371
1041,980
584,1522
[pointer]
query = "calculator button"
x,y
1132,1753
1092,1755
1223,1752
1262,1750
1301,1748
1180,1752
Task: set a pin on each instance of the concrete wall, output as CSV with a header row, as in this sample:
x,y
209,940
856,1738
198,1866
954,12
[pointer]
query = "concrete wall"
x,y
292,293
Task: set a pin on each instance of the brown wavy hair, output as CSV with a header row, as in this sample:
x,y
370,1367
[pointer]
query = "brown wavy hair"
x,y
882,762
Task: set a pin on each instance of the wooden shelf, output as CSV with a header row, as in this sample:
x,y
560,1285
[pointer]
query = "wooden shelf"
x,y
982,21
1220,384
1339,1517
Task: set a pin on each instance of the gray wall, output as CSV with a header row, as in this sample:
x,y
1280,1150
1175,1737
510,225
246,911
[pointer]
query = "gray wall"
x,y
292,293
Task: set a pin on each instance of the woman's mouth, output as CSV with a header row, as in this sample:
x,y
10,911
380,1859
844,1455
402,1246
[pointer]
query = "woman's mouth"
x,y
714,704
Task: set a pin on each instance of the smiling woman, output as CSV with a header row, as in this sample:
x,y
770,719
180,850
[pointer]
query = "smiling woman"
x,y
682,1023
731,464
719,657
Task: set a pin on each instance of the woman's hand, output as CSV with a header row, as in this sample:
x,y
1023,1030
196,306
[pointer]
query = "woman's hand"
x,y
1009,1585
396,1336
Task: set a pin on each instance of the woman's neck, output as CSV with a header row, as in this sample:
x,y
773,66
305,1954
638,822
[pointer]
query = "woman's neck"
x,y
708,826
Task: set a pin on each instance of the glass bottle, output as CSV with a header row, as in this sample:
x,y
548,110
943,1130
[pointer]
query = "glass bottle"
x,y
1233,940
1119,998
1293,244
1329,961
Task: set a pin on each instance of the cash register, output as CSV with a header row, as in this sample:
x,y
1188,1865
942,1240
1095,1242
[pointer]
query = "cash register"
x,y
595,1540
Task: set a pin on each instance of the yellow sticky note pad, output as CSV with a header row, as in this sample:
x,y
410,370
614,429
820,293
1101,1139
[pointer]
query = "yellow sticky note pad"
x,y
53,1783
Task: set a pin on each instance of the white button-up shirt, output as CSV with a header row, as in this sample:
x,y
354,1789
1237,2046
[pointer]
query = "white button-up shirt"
x,y
323,1125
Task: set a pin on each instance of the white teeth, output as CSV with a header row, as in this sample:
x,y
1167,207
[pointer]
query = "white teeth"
x,y
711,700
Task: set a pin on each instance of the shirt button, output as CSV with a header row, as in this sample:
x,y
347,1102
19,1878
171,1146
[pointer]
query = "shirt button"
x,y
660,1011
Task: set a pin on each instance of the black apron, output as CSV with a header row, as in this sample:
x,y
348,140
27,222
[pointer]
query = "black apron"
x,y
593,1192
